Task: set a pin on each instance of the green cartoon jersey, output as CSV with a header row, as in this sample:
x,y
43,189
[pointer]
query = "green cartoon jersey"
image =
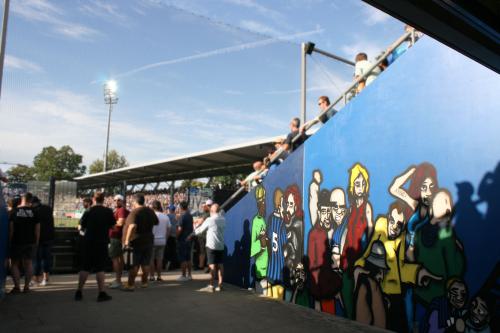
x,y
256,250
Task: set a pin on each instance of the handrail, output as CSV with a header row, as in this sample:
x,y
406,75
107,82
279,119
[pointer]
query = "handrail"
x,y
277,154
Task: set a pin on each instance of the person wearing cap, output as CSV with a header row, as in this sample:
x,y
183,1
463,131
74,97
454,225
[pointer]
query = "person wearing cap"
x,y
43,259
370,306
202,238
115,240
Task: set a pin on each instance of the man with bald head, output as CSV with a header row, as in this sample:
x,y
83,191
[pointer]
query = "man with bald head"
x,y
214,227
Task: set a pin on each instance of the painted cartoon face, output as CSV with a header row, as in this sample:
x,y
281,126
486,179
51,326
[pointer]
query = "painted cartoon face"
x,y
396,224
290,205
457,294
426,190
261,206
479,313
324,217
337,200
359,186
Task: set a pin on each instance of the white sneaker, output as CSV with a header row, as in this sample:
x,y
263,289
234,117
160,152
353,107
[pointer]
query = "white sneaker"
x,y
218,288
115,284
189,278
182,278
44,283
207,289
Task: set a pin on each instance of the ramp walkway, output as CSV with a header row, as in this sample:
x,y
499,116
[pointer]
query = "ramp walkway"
x,y
167,306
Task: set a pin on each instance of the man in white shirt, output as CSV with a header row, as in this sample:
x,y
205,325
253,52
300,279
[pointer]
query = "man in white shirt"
x,y
160,232
214,227
361,68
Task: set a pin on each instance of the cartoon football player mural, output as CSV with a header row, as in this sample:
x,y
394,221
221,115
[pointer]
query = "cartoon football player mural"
x,y
258,247
294,248
437,249
338,211
390,230
479,315
325,282
359,230
276,233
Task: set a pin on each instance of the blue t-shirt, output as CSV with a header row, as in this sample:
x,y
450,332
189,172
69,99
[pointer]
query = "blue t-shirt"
x,y
186,225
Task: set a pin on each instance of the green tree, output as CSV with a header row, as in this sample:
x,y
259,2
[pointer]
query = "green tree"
x,y
63,164
227,181
21,174
115,161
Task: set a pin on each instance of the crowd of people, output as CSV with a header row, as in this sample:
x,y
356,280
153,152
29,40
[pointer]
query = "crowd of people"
x,y
365,72
139,240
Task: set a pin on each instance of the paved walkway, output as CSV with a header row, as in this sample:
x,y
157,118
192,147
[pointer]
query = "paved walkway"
x,y
167,306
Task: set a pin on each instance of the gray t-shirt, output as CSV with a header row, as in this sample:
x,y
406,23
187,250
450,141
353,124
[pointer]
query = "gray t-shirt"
x,y
214,227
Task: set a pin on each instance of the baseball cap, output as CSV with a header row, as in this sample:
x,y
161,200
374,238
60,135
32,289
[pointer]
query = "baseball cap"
x,y
209,202
119,197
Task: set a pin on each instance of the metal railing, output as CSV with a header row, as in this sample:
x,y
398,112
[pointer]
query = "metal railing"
x,y
407,35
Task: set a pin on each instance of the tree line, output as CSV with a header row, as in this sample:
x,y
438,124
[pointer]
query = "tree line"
x,y
63,163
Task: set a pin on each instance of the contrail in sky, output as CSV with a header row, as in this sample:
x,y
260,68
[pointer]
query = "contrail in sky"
x,y
224,50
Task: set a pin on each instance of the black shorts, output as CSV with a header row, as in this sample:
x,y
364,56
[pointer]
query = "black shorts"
x,y
142,255
215,257
184,250
22,252
94,257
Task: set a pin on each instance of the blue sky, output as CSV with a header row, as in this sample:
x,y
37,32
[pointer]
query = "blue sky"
x,y
192,75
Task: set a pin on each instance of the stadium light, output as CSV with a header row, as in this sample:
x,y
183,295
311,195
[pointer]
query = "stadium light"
x,y
110,98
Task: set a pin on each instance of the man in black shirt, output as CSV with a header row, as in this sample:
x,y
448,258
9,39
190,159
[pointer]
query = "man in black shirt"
x,y
24,234
289,145
138,234
43,260
95,225
185,229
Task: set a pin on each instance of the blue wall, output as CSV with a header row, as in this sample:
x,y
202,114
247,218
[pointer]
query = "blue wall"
x,y
432,105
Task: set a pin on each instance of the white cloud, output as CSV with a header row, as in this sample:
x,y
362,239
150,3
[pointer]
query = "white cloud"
x,y
62,117
102,9
225,50
233,92
259,27
373,16
15,63
43,11
251,4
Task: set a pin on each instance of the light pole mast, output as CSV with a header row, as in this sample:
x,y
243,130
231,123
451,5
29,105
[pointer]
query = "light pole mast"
x,y
110,98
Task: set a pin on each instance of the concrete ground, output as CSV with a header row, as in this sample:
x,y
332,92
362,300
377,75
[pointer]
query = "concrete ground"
x,y
167,306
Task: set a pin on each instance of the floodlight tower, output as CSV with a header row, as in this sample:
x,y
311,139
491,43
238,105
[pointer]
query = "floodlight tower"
x,y
110,98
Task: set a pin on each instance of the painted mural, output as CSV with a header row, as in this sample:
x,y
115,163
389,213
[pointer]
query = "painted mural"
x,y
390,214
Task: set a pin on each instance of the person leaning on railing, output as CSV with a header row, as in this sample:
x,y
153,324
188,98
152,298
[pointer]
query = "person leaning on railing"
x,y
325,113
256,177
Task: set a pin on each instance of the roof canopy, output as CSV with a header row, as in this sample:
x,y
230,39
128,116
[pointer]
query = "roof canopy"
x,y
223,161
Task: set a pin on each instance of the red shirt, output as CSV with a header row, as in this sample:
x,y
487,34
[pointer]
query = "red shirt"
x,y
356,228
116,230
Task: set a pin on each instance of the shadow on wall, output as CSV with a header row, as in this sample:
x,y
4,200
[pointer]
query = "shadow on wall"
x,y
239,274
479,233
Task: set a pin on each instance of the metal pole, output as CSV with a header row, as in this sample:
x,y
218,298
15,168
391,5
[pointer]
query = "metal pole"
x,y
303,83
107,138
5,20
333,56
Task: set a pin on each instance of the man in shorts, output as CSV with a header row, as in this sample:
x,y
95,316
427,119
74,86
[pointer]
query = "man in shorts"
x,y
214,227
24,235
138,234
95,225
115,240
184,245
160,232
